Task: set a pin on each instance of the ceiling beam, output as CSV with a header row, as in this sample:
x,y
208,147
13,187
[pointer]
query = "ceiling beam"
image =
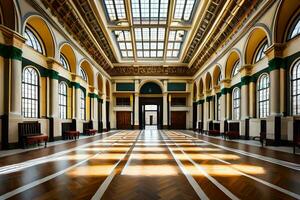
x,y
130,23
169,21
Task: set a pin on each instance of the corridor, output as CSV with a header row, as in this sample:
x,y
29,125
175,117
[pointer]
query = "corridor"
x,y
150,164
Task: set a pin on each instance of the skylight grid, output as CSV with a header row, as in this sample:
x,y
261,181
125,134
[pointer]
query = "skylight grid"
x,y
175,41
149,11
115,9
125,43
184,9
150,42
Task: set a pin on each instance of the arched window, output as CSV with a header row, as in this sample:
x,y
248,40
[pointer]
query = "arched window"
x,y
63,96
82,105
236,68
218,108
236,103
83,74
219,79
263,95
295,29
33,40
260,52
30,93
64,62
296,88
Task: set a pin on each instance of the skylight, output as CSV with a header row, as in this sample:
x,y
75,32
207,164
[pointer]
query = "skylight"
x,y
183,9
125,43
147,30
149,42
175,41
149,11
115,9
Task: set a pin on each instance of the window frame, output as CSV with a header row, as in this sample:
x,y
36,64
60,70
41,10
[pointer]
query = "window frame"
x,y
236,68
296,64
236,115
82,105
60,104
66,61
265,91
292,28
83,74
37,39
29,113
260,51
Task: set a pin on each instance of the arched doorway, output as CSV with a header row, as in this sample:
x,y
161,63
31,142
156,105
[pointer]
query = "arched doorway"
x,y
150,105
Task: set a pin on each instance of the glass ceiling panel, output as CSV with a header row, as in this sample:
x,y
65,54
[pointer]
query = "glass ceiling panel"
x,y
149,11
115,9
175,41
184,9
125,44
150,42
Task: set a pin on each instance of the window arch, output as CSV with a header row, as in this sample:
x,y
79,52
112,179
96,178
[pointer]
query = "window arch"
x,y
63,99
33,40
83,74
236,103
295,29
295,86
260,52
30,93
82,105
263,96
236,68
64,62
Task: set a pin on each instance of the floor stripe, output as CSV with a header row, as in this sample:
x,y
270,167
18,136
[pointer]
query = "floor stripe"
x,y
201,194
213,180
103,187
41,160
283,163
47,178
280,189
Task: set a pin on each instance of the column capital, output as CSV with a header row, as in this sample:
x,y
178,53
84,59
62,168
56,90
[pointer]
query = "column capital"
x,y
217,88
275,51
12,38
53,64
225,83
246,70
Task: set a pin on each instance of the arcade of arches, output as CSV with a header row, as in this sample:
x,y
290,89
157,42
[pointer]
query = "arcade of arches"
x,y
217,82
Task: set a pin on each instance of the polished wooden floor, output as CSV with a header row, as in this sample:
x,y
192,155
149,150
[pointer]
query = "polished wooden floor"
x,y
150,164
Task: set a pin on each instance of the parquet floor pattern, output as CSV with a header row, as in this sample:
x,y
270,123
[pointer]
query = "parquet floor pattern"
x,y
150,164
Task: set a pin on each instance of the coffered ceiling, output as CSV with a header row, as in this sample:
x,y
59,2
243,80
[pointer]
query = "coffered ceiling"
x,y
151,37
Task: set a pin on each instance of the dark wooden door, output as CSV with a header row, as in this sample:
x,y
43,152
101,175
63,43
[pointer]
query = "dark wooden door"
x,y
124,120
178,120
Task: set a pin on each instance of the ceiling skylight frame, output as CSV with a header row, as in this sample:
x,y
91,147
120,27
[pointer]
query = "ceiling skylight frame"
x,y
184,10
149,42
124,41
115,10
175,41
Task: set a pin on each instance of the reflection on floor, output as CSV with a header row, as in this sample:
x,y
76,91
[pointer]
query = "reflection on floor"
x,y
151,127
151,164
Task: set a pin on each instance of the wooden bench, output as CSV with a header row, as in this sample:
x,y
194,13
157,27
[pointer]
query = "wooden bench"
x,y
233,131
296,135
88,128
30,133
69,131
214,128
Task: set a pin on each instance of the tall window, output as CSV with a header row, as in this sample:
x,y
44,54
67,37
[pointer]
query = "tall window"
x,y
236,103
30,93
236,68
82,105
83,74
63,91
64,62
263,96
296,88
218,108
32,40
260,53
295,29
219,79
